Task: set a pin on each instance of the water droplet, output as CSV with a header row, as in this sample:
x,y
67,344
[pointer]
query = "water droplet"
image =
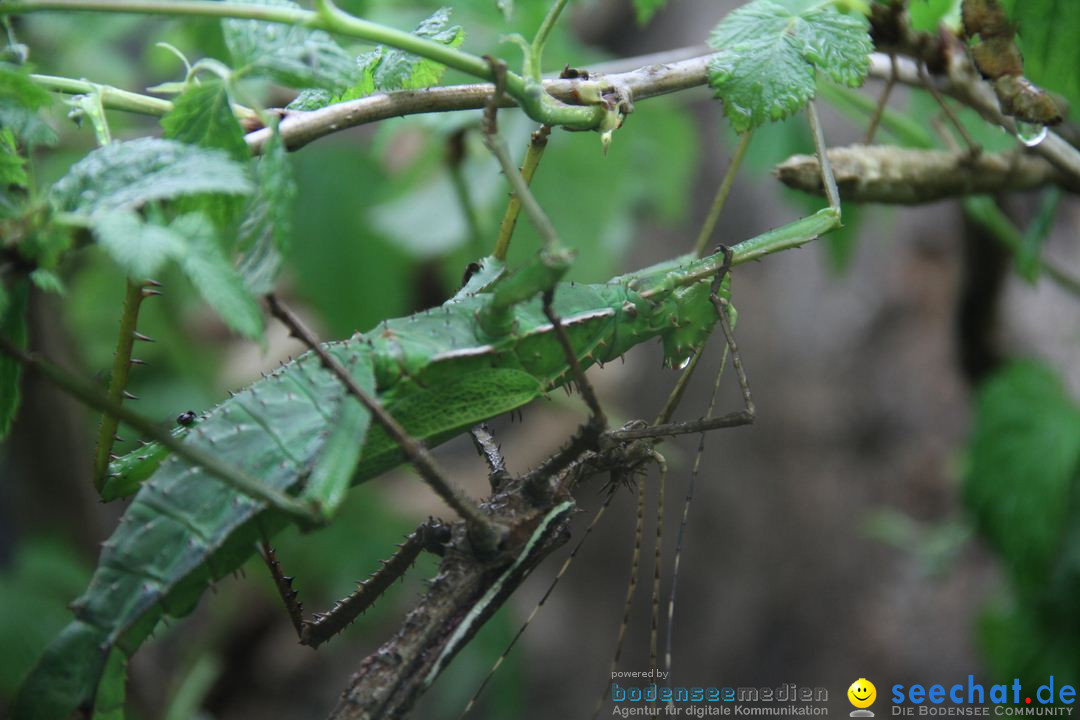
x,y
1031,134
685,363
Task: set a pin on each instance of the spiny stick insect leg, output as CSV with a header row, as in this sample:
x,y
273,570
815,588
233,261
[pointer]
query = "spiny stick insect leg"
x,y
486,536
654,617
621,477
489,449
684,520
431,535
547,593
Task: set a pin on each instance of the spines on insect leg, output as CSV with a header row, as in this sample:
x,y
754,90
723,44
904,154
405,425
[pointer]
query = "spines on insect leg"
x,y
284,584
485,535
543,599
654,620
490,450
431,535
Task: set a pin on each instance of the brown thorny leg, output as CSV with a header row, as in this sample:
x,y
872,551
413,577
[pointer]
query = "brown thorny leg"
x,y
431,535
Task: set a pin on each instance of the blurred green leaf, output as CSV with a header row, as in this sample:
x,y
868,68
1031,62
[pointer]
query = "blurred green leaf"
x,y
34,592
12,329
1049,33
926,15
768,52
203,116
645,9
385,69
290,54
141,248
841,244
393,69
12,163
215,278
127,175
266,231
20,100
1024,461
1029,261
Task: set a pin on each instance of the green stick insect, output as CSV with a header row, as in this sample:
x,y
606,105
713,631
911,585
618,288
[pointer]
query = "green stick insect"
x,y
287,448
488,350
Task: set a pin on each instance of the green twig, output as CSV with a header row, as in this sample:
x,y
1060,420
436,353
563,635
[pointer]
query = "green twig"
x,y
537,50
111,97
497,146
533,154
985,211
88,395
722,195
537,103
118,380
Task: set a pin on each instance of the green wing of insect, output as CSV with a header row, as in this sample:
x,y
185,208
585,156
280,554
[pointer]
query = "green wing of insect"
x,y
438,372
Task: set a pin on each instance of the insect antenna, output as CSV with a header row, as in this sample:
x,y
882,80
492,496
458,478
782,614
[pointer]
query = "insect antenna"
x,y
543,599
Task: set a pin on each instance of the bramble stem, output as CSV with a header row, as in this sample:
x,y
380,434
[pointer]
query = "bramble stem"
x,y
330,18
88,395
111,97
533,154
722,194
118,381
542,35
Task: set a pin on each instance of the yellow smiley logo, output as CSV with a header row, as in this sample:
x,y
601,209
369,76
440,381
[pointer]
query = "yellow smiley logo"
x,y
862,693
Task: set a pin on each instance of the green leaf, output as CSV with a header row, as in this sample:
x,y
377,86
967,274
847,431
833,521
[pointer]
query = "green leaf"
x,y
20,100
267,228
385,69
128,175
290,54
215,278
645,9
12,164
1024,462
47,281
768,52
139,247
203,116
12,329
1049,33
926,15
394,69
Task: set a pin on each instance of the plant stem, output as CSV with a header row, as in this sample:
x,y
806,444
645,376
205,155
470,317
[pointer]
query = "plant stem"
x,y
330,18
88,395
542,35
985,211
722,195
533,154
118,381
111,97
